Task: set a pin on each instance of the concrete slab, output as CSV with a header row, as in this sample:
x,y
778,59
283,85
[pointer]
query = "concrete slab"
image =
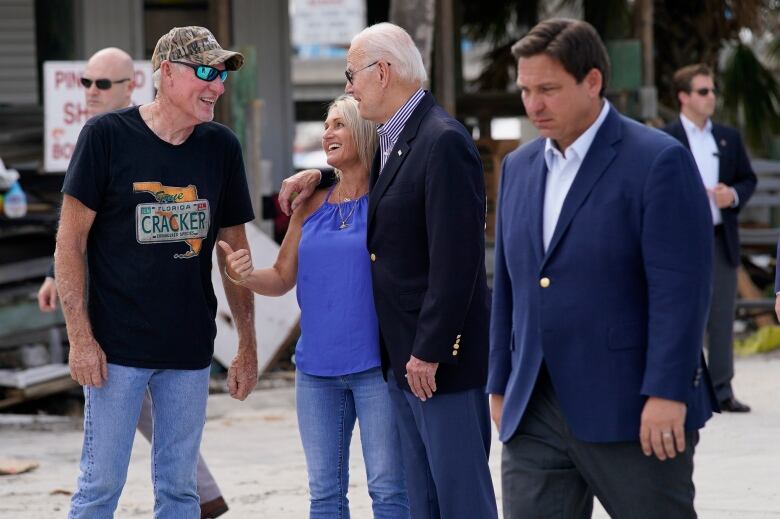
x,y
254,450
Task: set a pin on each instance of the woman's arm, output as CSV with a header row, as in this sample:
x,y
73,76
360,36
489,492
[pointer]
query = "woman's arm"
x,y
280,278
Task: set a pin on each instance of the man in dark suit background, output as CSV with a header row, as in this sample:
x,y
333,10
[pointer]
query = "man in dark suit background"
x,y
601,288
425,237
726,173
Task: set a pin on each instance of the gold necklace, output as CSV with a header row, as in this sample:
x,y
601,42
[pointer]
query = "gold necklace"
x,y
345,219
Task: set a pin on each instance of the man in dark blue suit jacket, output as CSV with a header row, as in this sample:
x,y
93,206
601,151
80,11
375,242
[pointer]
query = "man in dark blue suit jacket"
x,y
726,172
425,237
601,288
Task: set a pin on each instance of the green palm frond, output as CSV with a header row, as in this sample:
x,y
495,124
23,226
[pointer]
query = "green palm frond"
x,y
751,96
773,49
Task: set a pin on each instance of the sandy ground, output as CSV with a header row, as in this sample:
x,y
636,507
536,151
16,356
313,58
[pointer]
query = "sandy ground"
x,y
254,451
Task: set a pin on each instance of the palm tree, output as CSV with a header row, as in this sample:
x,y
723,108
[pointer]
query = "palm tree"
x,y
752,105
693,31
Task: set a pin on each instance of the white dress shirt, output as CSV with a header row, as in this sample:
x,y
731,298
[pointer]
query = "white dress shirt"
x,y
562,168
705,152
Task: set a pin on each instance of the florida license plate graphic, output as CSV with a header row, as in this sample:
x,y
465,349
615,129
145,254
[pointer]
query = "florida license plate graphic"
x,y
180,221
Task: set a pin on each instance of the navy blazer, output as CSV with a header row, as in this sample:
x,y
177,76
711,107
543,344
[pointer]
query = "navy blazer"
x,y
616,307
426,225
735,171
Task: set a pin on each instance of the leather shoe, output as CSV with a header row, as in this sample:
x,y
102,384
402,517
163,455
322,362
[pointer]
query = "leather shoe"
x,y
213,508
732,405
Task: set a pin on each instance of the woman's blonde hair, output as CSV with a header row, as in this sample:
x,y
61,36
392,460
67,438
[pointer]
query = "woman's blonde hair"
x,y
362,130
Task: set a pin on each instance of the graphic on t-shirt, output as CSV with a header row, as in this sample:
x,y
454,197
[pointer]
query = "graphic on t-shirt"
x,y
178,215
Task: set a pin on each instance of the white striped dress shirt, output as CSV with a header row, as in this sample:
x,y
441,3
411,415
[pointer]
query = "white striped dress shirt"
x,y
389,132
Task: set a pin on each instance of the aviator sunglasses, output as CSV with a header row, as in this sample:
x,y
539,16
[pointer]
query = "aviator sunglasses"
x,y
102,84
205,72
704,91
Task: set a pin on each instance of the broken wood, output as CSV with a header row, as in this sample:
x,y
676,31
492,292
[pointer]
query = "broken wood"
x,y
746,289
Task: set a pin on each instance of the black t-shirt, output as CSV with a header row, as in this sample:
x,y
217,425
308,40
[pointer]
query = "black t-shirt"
x,y
159,208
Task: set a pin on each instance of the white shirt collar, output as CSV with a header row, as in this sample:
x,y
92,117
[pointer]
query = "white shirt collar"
x,y
690,126
580,146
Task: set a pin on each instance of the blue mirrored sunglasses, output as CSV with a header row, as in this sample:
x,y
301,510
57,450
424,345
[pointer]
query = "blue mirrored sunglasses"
x,y
205,72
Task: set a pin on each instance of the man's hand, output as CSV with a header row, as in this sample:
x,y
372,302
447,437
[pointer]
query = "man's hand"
x,y
723,195
298,188
496,408
242,374
238,263
47,295
663,428
87,363
421,377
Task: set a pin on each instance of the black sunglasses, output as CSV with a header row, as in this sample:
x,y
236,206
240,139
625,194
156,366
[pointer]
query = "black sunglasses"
x,y
351,75
204,72
102,84
704,91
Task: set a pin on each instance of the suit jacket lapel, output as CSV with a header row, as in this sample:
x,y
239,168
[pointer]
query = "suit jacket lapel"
x,y
536,204
720,142
678,131
379,182
595,162
375,165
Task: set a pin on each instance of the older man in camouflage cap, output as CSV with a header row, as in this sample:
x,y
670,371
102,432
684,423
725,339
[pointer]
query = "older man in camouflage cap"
x,y
148,191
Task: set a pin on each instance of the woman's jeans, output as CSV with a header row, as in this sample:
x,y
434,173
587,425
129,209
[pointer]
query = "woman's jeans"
x,y
110,417
327,409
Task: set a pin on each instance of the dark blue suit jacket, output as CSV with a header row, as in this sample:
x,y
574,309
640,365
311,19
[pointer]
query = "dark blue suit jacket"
x,y
629,269
426,228
734,171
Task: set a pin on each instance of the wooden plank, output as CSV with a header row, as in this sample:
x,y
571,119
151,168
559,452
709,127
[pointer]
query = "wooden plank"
x,y
51,387
758,237
25,316
30,377
23,270
761,199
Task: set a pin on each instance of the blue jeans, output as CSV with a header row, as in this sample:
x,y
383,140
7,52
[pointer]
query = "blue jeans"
x,y
327,408
110,417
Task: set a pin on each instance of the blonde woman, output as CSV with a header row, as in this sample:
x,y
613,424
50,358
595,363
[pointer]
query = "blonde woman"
x,y
339,378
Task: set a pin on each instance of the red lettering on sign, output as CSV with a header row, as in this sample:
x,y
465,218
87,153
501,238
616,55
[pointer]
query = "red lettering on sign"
x,y
75,113
67,79
62,151
139,78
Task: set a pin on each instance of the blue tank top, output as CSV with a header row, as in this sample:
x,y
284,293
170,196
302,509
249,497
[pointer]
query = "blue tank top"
x,y
339,328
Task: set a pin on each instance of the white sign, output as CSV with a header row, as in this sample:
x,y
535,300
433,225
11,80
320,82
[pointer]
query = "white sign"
x,y
326,22
65,110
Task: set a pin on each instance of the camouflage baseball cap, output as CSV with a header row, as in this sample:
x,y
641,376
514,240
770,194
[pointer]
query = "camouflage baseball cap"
x,y
194,44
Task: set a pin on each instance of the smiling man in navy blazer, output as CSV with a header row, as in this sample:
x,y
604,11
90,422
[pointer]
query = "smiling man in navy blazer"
x,y
426,221
728,176
601,288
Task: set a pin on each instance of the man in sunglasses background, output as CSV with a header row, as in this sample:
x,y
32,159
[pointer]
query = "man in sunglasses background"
x,y
729,179
108,85
108,81
147,193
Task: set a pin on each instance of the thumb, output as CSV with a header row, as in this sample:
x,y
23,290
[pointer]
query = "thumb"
x,y
225,247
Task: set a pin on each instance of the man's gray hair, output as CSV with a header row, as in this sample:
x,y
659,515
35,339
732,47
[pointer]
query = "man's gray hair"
x,y
389,42
156,79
